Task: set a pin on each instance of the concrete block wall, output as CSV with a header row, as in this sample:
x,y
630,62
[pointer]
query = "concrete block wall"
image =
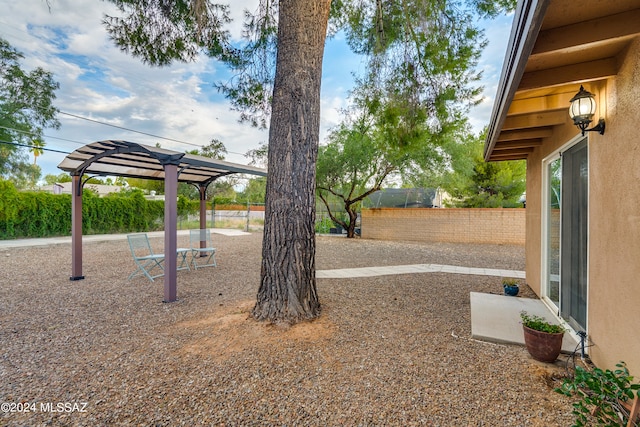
x,y
493,226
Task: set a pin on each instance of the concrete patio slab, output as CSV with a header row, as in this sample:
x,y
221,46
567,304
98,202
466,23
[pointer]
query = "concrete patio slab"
x,y
496,318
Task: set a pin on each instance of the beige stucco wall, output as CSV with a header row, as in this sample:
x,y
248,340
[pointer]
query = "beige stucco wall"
x,y
614,223
614,217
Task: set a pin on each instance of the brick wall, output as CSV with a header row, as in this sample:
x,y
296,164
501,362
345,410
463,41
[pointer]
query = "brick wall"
x,y
495,226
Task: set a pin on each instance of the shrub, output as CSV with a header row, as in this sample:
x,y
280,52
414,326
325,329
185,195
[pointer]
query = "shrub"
x,y
600,392
324,226
39,214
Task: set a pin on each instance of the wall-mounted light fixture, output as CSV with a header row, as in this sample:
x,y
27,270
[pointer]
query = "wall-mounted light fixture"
x,y
582,109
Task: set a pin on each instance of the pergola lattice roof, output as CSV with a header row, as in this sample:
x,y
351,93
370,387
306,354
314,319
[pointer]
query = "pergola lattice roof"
x,y
133,160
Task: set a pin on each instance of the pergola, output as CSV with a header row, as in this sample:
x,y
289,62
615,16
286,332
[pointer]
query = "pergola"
x,y
133,160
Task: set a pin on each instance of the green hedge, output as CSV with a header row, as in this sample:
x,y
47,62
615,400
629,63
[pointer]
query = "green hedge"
x,y
38,214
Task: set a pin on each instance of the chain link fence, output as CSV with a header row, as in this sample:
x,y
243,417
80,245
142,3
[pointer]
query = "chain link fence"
x,y
249,217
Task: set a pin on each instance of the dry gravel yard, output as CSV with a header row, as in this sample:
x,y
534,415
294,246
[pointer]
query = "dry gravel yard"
x,y
390,350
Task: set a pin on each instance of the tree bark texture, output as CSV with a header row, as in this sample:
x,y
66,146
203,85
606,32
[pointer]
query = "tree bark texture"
x,y
287,291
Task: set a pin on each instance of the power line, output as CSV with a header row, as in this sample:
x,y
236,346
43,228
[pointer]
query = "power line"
x,y
129,130
80,142
65,139
46,136
33,146
139,132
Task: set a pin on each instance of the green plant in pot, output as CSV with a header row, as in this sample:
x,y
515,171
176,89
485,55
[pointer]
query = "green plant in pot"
x,y
510,286
542,339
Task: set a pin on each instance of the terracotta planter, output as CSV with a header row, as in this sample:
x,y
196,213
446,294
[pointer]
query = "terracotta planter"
x,y
542,346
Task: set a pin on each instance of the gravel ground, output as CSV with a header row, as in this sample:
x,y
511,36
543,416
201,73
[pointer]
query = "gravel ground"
x,y
391,350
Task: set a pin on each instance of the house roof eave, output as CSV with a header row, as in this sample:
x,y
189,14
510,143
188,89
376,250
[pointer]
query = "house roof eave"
x,y
527,22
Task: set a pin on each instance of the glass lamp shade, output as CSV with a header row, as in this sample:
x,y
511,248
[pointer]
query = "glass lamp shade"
x,y
582,109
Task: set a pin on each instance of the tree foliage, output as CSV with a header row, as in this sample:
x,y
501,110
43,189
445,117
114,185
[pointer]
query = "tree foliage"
x,y
421,57
60,178
214,150
162,31
474,183
26,108
254,191
146,185
350,167
419,83
222,187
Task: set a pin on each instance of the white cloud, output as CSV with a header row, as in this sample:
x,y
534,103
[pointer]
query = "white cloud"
x,y
331,114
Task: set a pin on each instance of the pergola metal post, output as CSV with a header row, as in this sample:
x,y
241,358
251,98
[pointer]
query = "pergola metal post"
x,y
203,213
170,232
76,228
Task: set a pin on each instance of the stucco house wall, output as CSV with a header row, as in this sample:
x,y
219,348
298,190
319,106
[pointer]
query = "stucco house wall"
x,y
614,223
614,216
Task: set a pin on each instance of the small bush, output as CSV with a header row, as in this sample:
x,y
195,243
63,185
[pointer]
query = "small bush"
x,y
600,392
324,226
509,281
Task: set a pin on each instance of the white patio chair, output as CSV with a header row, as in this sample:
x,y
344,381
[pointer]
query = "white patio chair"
x,y
201,247
146,260
143,256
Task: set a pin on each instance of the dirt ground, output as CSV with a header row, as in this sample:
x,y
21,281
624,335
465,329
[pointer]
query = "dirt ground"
x,y
389,350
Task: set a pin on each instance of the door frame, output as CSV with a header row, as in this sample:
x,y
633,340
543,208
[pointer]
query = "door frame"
x,y
545,225
544,230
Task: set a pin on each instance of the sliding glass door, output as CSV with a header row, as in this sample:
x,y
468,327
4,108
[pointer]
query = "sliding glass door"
x,y
574,239
566,225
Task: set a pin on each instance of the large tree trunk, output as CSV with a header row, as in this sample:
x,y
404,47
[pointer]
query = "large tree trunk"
x,y
287,291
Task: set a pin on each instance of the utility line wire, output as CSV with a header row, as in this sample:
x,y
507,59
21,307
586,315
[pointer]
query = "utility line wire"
x,y
33,146
129,130
77,142
46,136
140,132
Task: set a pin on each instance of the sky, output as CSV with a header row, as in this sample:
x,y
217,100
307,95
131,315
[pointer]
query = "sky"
x,y
179,102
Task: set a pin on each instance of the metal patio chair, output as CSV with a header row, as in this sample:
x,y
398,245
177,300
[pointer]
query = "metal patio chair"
x,y
201,247
143,256
146,260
